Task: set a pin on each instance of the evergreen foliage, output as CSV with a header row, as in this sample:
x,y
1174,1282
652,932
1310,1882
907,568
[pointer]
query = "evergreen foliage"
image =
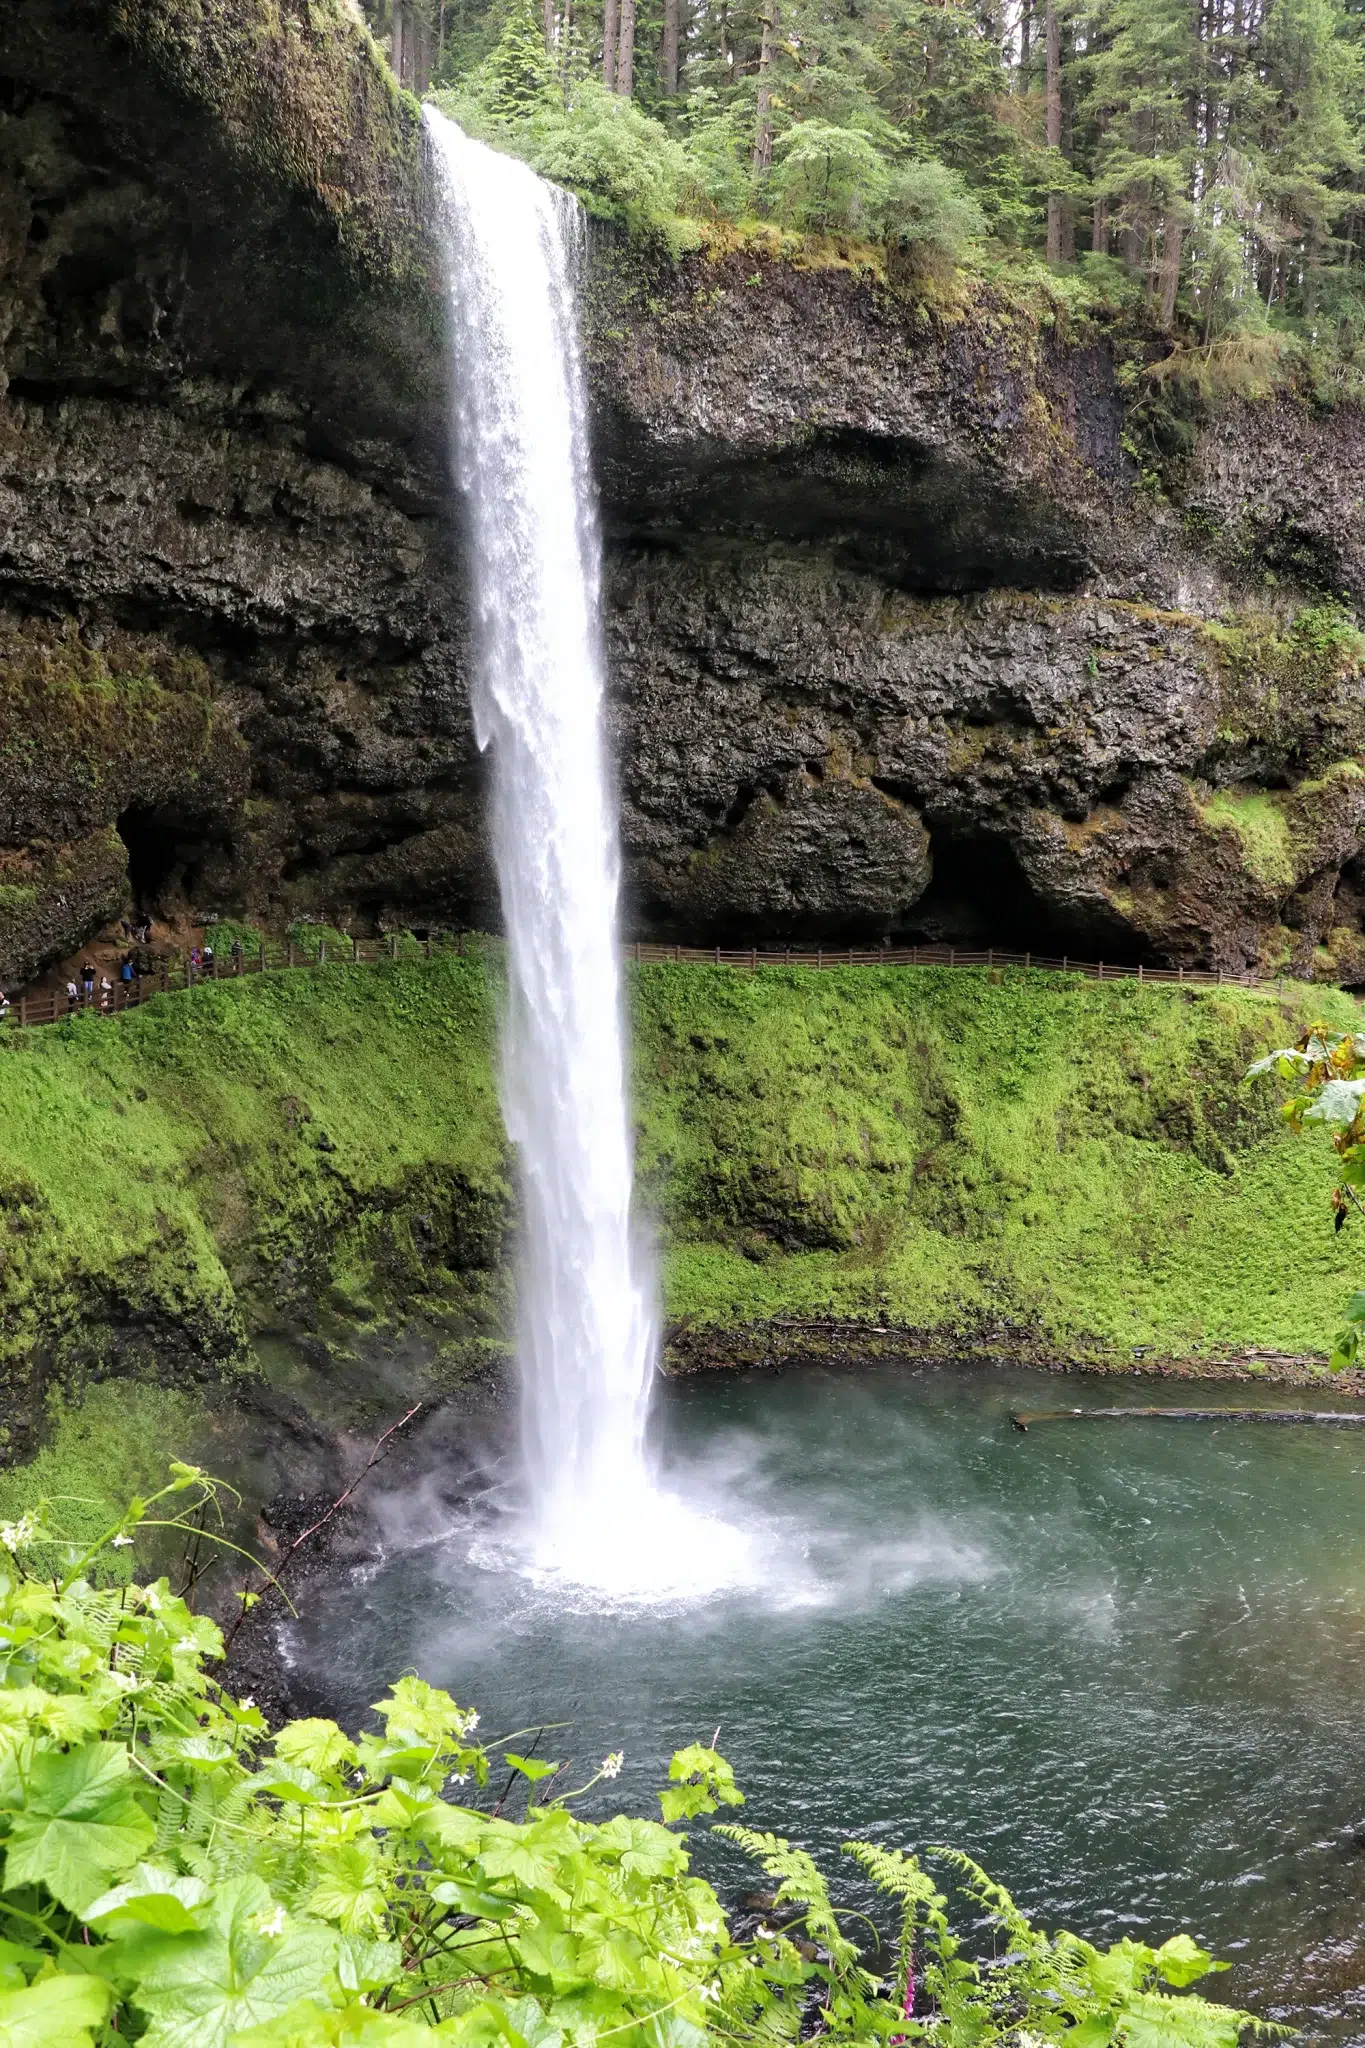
x,y
1214,151
176,1873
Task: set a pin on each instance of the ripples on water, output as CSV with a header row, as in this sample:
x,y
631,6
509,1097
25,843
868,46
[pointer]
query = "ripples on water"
x,y
1121,1664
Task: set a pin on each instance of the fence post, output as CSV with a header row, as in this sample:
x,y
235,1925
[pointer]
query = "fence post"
x,y
990,956
355,952
393,945
322,952
23,1011
1139,970
1028,960
820,957
1220,974
952,956
718,956
291,952
1064,963
753,959
1100,975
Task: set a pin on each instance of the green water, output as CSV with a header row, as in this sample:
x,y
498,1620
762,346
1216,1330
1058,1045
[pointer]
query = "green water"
x,y
1120,1663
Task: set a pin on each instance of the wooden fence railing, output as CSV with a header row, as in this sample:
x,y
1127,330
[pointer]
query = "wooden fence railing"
x,y
754,957
177,970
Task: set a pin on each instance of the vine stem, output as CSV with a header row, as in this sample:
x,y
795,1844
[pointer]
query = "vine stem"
x,y
321,1523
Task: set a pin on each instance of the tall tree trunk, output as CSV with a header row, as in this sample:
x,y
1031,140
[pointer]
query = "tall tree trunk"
x,y
668,49
1025,42
611,29
1056,204
1099,227
547,15
763,133
625,51
1168,283
396,40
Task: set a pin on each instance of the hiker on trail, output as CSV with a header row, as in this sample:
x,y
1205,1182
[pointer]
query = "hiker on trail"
x,y
88,980
4,1006
106,991
236,956
73,996
208,957
125,972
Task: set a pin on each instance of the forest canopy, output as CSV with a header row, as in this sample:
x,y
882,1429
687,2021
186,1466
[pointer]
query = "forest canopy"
x,y
1203,156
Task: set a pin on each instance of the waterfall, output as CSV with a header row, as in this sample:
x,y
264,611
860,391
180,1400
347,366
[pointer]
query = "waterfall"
x,y
587,1333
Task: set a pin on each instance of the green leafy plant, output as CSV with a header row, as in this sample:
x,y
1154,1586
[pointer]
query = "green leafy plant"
x,y
1327,1071
175,1873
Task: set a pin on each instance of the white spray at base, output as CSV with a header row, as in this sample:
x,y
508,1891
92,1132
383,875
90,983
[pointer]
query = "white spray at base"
x,y
587,1335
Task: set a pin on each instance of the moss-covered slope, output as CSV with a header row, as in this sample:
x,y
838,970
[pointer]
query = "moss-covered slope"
x,y
1027,1154
978,1158
255,1152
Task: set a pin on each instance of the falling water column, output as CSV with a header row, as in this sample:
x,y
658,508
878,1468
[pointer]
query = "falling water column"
x,y
587,1333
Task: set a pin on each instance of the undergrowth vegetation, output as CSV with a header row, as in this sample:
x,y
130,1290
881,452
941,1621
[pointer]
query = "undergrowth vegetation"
x,y
177,1873
979,1158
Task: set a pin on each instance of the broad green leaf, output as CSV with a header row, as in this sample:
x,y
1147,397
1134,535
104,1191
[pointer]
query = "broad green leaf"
x,y
249,1964
319,1745
422,1714
529,1767
149,1897
1180,1960
1120,1971
350,1890
555,1954
80,1824
58,2012
292,1783
1337,1102
700,1781
368,1965
645,1848
304,2026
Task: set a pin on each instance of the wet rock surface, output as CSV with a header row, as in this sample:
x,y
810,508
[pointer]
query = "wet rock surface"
x,y
899,645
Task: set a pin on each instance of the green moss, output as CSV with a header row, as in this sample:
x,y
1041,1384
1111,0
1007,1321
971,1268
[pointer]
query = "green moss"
x,y
1289,684
306,98
1263,829
188,1167
110,1447
951,1151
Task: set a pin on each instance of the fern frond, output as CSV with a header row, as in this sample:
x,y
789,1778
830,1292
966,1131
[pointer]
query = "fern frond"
x,y
799,1884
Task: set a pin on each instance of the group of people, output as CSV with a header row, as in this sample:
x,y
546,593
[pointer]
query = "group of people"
x,y
96,991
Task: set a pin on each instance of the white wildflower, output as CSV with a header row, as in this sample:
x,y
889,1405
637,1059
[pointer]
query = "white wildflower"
x,y
471,1722
271,1925
249,1701
186,1647
711,1991
610,1766
17,1535
120,1542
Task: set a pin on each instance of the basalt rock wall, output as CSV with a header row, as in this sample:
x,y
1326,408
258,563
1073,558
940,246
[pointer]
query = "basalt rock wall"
x,y
902,641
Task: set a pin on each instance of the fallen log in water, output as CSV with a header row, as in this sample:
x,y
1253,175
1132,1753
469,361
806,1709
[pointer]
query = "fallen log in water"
x,y
1023,1419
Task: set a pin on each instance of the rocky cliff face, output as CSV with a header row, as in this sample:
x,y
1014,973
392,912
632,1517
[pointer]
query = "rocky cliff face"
x,y
899,642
